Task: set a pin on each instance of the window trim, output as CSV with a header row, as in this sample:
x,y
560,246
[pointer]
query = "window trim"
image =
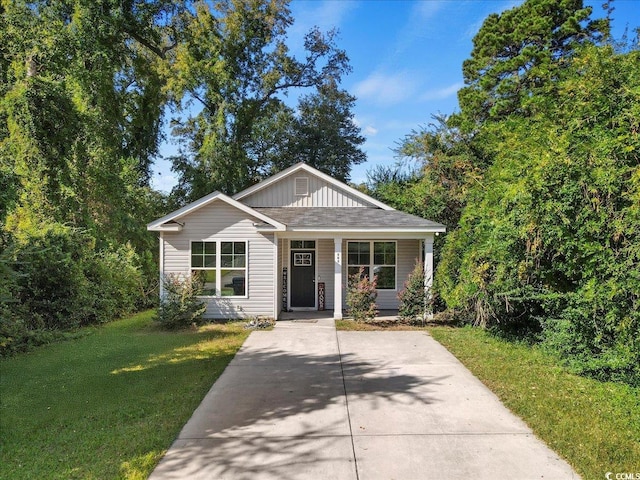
x,y
371,266
219,268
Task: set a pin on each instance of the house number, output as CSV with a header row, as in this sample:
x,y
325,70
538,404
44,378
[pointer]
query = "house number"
x,y
338,259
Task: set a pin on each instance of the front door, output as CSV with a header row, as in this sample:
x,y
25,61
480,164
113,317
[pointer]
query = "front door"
x,y
303,286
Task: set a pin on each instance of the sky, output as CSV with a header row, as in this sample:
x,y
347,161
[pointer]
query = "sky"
x,y
406,57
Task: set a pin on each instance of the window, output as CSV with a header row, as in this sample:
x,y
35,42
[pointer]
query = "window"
x,y
222,266
382,261
310,244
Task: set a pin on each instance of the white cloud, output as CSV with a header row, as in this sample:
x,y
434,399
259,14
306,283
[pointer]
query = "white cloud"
x,y
442,93
386,89
370,131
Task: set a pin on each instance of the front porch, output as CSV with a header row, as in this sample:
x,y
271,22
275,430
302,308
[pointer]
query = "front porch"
x,y
313,269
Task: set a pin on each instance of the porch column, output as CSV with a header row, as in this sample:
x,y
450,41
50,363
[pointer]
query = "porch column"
x,y
337,279
428,272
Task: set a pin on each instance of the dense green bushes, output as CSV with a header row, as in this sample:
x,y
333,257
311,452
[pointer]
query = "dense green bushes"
x,y
55,279
552,235
538,181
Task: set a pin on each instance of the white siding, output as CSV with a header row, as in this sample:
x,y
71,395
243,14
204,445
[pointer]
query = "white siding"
x,y
407,253
220,221
321,194
324,256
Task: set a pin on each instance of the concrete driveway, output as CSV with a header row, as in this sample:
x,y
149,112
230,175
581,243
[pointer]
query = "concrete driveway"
x,y
306,402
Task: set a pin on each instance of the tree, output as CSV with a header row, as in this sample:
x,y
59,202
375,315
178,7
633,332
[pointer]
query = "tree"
x,y
519,54
323,134
80,111
550,239
233,62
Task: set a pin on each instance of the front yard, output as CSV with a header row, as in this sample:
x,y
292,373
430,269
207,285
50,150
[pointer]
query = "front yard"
x,y
106,405
595,426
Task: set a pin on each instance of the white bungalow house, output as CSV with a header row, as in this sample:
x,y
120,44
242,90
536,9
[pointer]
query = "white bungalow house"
x,y
289,242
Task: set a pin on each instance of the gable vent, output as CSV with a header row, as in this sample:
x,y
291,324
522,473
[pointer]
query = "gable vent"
x,y
302,186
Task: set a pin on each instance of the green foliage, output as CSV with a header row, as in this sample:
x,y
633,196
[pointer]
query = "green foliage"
x,y
551,236
180,306
414,301
538,181
361,297
233,61
322,134
55,279
518,56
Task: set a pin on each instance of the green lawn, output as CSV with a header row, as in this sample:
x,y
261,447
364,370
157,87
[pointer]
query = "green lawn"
x,y
109,404
595,426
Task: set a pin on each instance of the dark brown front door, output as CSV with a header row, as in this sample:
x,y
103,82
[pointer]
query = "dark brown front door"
x,y
303,287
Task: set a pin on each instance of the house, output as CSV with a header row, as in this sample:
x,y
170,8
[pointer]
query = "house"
x,y
289,242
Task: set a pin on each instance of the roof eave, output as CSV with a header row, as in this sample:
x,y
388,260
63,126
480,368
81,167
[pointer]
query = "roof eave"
x,y
160,225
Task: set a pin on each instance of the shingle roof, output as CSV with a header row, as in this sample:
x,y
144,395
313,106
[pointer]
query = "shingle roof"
x,y
346,217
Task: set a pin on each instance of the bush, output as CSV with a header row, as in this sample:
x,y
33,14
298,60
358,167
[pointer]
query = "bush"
x,y
361,297
180,306
414,303
54,279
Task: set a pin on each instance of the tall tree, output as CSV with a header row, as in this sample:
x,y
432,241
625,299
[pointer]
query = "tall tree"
x,y
233,62
519,54
551,237
323,134
81,108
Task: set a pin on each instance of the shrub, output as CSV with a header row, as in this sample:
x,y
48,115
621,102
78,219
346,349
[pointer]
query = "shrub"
x,y
180,306
414,303
361,296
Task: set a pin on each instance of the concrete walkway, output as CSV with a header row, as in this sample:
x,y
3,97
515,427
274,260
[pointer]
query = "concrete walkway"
x,y
306,402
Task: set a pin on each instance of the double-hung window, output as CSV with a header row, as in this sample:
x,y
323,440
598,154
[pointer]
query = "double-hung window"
x,y
223,267
376,257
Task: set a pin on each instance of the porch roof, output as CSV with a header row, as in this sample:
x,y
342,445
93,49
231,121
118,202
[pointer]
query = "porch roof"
x,y
347,218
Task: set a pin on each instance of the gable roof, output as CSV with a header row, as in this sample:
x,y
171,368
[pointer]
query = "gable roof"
x,y
170,222
349,218
298,167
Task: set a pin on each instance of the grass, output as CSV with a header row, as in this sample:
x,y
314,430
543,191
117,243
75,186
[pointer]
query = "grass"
x,y
595,426
109,404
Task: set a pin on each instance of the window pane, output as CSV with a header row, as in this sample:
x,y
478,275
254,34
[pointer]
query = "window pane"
x,y
209,279
209,261
239,248
386,277
226,247
296,243
239,261
197,247
226,261
210,248
233,283
309,244
197,261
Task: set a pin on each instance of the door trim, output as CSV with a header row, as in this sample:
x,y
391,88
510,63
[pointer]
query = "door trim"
x,y
315,276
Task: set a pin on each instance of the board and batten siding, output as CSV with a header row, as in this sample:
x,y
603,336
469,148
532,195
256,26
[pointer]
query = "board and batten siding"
x,y
321,194
407,253
220,221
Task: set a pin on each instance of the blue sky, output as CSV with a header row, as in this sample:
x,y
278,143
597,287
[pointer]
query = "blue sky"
x,y
407,61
